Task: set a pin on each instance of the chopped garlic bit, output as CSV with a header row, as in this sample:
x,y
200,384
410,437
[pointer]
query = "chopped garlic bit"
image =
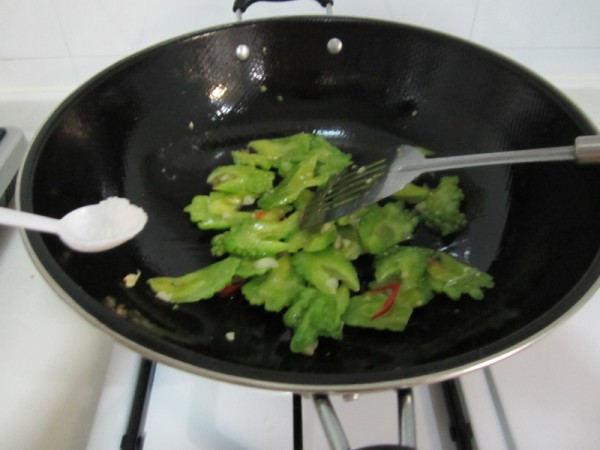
x,y
326,227
341,242
266,263
164,296
332,283
110,302
121,310
131,279
223,178
361,169
191,125
309,350
230,336
248,200
337,244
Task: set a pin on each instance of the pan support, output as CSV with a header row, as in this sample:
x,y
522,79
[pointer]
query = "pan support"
x,y
458,421
459,426
335,432
133,439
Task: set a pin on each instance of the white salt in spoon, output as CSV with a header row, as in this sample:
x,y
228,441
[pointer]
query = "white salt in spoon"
x,y
92,228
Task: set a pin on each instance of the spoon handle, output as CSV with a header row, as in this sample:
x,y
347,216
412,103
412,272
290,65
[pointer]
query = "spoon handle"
x,y
29,221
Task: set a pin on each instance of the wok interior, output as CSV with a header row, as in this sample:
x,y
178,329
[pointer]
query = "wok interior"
x,y
152,127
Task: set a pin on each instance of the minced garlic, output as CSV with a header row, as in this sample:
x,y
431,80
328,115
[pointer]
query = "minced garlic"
x,y
131,279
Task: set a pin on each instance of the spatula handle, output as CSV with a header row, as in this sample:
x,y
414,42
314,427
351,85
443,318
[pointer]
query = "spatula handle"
x,y
490,159
585,150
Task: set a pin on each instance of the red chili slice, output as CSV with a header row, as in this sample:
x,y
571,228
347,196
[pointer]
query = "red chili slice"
x,y
259,214
389,301
231,288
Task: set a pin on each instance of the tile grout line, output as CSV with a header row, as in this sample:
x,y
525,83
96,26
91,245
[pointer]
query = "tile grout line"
x,y
474,20
64,36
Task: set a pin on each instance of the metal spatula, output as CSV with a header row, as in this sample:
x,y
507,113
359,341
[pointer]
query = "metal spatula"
x,y
361,186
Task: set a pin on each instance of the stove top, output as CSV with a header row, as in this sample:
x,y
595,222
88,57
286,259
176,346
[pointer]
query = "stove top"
x,y
66,385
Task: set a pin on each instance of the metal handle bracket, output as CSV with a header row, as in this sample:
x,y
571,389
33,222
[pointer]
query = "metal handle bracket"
x,y
240,6
587,149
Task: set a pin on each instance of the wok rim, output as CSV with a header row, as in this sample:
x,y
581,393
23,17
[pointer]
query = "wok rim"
x,y
259,377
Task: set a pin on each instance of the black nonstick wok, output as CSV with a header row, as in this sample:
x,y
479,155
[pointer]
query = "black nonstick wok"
x,y
151,127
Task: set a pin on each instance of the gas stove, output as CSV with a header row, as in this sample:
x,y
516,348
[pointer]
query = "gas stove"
x,y
65,385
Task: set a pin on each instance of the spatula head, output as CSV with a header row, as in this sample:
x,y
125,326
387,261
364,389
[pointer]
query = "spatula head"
x,y
357,187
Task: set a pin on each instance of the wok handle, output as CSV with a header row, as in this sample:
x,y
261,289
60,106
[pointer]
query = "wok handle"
x,y
242,5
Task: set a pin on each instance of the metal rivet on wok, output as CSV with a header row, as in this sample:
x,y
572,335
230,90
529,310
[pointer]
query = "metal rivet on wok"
x,y
334,46
242,52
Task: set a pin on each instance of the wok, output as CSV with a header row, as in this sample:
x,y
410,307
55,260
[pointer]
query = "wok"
x,y
151,127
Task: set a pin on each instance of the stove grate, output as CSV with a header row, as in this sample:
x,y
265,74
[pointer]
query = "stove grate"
x,y
459,424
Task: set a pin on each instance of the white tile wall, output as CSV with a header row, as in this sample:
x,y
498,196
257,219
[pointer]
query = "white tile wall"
x,y
57,44
537,23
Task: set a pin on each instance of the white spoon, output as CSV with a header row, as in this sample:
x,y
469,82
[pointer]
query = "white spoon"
x,y
92,228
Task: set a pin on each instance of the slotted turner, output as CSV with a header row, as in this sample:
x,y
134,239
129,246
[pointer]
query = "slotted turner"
x,y
361,186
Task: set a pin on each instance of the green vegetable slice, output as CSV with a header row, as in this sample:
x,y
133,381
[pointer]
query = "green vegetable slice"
x,y
405,263
384,226
449,276
325,269
256,238
347,242
362,308
275,289
198,285
330,159
217,211
313,314
250,268
412,193
286,192
313,240
241,180
441,208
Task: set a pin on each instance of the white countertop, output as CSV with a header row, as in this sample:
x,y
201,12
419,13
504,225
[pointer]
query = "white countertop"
x,y
53,361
